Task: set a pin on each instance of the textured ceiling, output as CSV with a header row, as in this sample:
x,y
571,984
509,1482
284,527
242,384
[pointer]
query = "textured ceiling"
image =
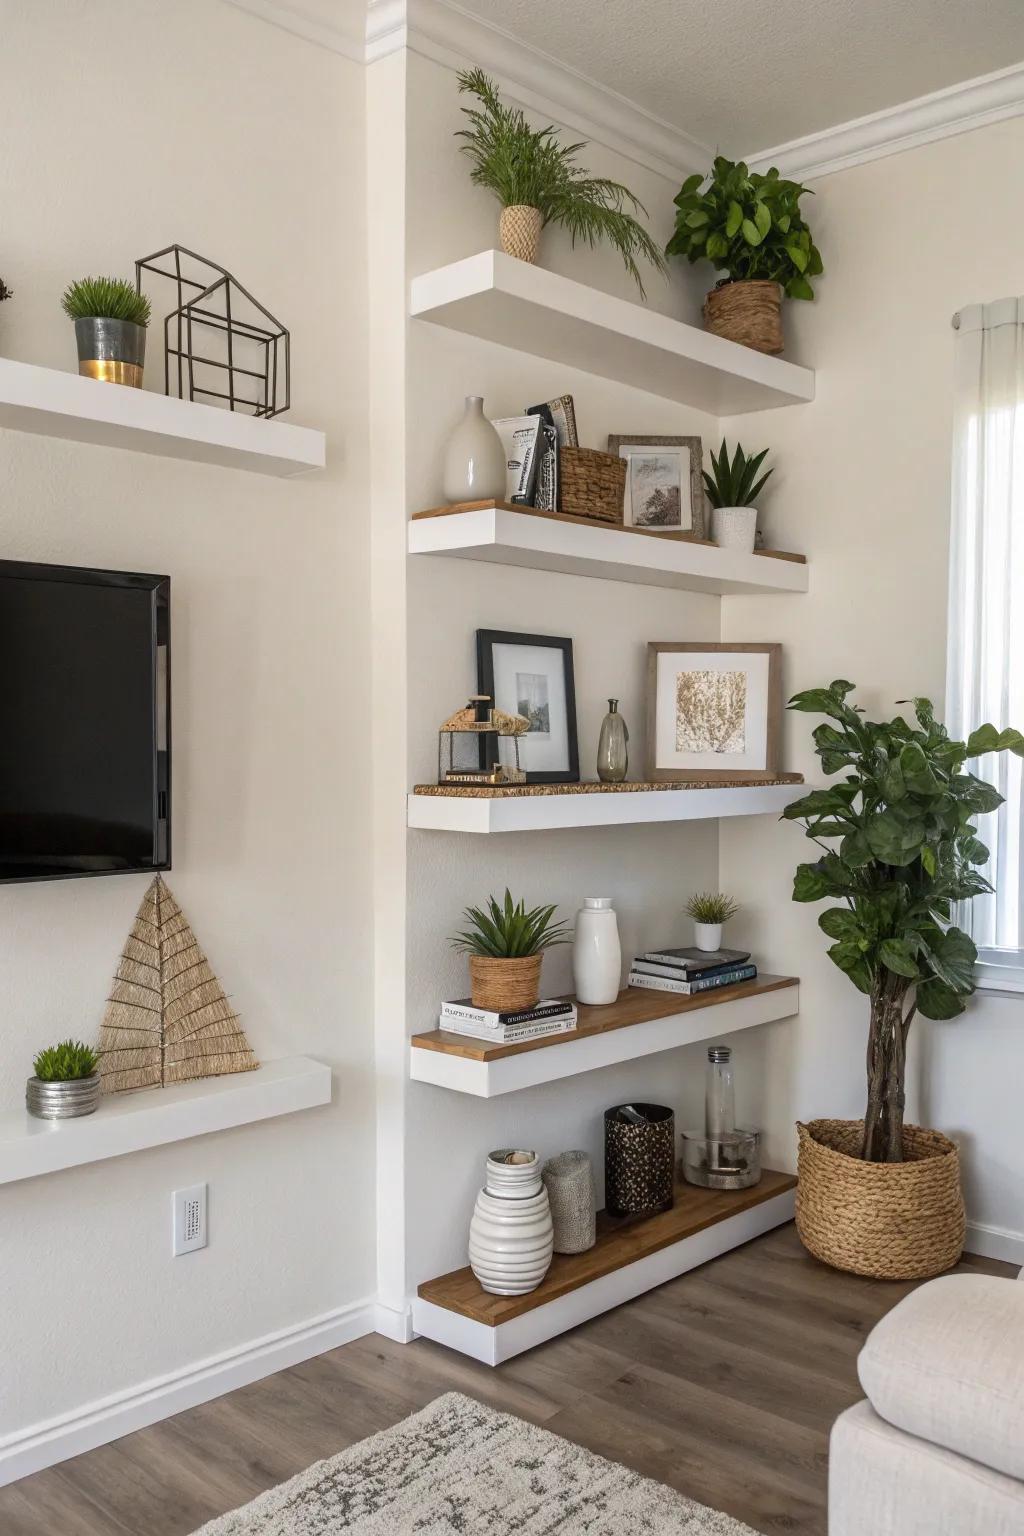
x,y
745,75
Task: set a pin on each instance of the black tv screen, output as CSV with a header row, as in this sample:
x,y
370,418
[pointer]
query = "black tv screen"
x,y
85,774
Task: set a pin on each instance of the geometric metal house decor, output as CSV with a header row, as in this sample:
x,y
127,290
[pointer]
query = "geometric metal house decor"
x,y
461,757
167,1019
225,344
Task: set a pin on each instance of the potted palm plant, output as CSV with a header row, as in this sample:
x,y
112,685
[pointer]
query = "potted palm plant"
x,y
66,1082
898,852
750,227
110,328
506,947
538,182
732,490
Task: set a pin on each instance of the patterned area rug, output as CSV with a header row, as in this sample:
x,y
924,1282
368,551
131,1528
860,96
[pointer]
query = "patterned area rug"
x,y
460,1469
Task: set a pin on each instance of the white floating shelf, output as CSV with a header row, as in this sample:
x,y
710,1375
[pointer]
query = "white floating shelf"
x,y
129,1122
508,536
56,404
500,299
603,808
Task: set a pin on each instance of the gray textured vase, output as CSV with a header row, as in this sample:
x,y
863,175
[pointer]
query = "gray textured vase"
x,y
113,351
569,1181
62,1101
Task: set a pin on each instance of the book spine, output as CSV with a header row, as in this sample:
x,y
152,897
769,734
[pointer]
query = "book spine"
x,y
496,1020
686,988
510,1035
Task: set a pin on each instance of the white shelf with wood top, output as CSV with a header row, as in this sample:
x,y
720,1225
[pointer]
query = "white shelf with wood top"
x,y
499,299
52,403
501,534
639,1023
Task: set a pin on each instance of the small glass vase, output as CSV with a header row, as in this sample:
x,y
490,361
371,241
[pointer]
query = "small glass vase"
x,y
613,746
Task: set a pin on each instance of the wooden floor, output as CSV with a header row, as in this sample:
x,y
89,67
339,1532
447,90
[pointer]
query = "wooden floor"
x,y
722,1383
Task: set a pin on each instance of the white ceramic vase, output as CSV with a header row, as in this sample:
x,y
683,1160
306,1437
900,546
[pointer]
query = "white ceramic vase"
x,y
596,952
511,1235
474,460
734,527
707,935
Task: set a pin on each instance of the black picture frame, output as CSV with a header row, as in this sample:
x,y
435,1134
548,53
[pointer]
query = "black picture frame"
x,y
486,639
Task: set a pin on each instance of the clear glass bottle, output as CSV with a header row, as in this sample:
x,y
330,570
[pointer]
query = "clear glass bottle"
x,y
719,1094
613,746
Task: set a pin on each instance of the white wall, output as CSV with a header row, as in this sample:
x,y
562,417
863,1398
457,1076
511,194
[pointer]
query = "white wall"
x,y
862,485
129,124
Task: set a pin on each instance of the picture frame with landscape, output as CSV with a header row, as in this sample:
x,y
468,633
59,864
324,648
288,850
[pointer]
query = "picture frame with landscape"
x,y
664,484
532,676
714,711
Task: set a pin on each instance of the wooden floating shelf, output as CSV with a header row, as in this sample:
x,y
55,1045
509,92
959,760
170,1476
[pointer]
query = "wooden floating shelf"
x,y
627,1260
130,1122
639,1023
500,534
51,403
499,299
540,807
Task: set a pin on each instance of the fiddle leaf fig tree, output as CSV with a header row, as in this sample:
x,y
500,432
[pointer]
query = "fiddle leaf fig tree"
x,y
898,851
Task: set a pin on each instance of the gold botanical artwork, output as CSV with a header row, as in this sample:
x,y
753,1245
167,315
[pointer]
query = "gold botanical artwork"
x,y
711,711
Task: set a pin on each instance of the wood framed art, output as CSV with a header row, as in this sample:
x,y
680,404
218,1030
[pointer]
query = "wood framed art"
x,y
714,711
532,675
664,483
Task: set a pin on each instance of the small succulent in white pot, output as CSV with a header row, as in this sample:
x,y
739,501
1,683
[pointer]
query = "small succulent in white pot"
x,y
66,1082
710,911
733,489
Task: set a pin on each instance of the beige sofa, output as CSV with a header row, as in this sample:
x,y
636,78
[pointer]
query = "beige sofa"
x,y
938,1447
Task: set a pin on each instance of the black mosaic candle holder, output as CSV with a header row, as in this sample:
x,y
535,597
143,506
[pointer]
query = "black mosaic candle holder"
x,y
639,1159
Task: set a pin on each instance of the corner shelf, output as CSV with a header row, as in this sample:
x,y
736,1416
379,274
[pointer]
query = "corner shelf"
x,y
499,299
639,1023
501,534
51,403
129,1122
540,807
628,1259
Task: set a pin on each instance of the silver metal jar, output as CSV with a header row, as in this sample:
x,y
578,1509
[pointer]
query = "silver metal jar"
x,y
111,350
63,1100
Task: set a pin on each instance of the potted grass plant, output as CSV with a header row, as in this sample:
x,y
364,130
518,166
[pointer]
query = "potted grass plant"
x,y
897,853
710,911
750,227
66,1082
5,292
506,945
537,181
732,489
110,318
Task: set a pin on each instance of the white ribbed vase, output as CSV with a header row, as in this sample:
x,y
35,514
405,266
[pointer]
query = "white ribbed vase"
x,y
511,1236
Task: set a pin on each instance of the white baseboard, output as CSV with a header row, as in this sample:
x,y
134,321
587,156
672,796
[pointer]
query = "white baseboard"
x,y
394,1322
995,1242
97,1423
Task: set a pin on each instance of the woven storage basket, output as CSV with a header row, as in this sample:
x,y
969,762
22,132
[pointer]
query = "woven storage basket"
x,y
892,1221
519,231
592,484
749,312
505,984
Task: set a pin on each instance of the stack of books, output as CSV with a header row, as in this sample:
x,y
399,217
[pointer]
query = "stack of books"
x,y
551,1016
688,971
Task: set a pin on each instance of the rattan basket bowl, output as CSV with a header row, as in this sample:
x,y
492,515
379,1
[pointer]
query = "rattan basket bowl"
x,y
505,985
748,311
592,483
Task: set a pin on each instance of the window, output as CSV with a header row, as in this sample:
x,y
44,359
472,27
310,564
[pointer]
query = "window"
x,y
985,662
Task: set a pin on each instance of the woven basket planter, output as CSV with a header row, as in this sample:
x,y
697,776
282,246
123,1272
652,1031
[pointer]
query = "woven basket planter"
x,y
519,231
748,312
593,484
891,1221
504,985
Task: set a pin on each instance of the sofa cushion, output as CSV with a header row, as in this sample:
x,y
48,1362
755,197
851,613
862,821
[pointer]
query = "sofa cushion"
x,y
947,1364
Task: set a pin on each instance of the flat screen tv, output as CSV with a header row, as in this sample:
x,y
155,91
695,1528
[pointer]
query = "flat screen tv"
x,y
85,727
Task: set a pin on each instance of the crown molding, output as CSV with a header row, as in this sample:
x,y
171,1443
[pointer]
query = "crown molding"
x,y
957,109
337,25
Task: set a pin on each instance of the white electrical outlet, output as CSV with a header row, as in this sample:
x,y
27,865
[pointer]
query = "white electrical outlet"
x,y
189,1219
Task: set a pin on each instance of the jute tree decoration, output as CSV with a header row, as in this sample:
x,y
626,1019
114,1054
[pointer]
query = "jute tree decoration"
x,y
168,1019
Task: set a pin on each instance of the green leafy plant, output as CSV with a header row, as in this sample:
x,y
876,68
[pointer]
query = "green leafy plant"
x,y
105,298
899,850
66,1062
5,292
711,907
733,485
524,166
747,225
508,932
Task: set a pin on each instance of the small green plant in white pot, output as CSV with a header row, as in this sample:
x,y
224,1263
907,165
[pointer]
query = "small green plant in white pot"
x,y
733,488
66,1082
710,911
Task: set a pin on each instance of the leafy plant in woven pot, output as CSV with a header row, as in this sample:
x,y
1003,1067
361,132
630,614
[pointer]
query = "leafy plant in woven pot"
x,y
898,852
750,227
506,945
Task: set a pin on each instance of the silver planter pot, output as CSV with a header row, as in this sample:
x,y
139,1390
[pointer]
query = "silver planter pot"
x,y
111,350
62,1101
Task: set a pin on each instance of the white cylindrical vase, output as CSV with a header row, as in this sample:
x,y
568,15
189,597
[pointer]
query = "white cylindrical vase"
x,y
734,528
474,460
511,1235
707,935
596,952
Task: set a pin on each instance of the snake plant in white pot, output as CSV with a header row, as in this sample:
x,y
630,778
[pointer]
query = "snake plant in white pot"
x,y
733,489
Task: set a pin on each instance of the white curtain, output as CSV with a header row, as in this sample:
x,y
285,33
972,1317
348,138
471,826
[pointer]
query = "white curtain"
x,y
985,662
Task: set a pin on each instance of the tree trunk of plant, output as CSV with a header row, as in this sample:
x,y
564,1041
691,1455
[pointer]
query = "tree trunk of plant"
x,y
886,1067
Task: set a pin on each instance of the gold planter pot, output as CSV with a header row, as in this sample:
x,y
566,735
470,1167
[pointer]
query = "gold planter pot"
x,y
113,351
504,985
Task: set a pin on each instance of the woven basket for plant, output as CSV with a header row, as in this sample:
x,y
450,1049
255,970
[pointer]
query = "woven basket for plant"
x,y
749,312
592,483
505,984
519,231
892,1221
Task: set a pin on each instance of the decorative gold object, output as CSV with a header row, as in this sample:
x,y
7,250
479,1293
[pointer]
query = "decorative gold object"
x,y
462,735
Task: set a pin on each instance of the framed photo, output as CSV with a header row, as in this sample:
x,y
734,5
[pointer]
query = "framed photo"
x,y
714,711
664,485
532,675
